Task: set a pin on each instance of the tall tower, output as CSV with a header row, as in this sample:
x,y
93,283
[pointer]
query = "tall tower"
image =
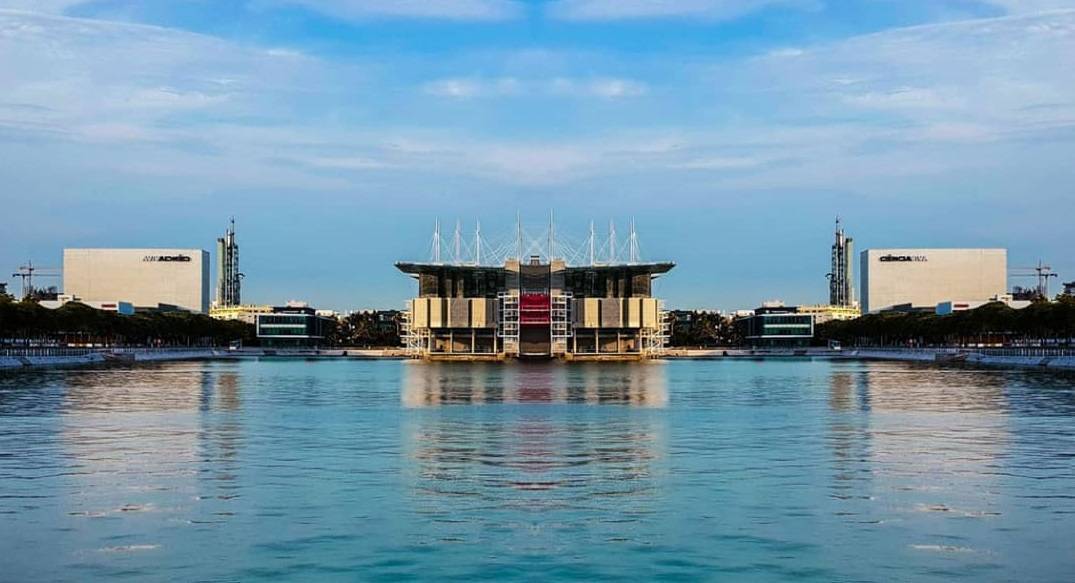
x,y
841,290
228,277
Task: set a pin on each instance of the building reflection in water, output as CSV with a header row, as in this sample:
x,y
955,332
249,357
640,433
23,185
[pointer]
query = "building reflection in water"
x,y
428,384
220,443
145,435
926,440
573,449
849,438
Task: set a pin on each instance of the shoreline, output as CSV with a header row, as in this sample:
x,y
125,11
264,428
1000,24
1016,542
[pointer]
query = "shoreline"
x,y
1024,359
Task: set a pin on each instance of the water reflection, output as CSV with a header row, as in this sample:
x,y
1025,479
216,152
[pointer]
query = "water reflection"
x,y
427,384
849,438
152,441
220,444
920,446
534,477
775,470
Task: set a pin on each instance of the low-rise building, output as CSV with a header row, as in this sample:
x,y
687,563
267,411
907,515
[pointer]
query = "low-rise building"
x,y
777,327
247,313
293,327
828,313
951,306
117,306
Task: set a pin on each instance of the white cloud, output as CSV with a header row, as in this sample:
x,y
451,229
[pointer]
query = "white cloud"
x,y
1031,6
1000,76
348,163
720,163
601,87
454,88
607,88
43,6
583,10
459,88
478,10
162,104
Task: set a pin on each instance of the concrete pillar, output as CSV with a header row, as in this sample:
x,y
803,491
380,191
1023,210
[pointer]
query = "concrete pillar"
x,y
472,340
451,341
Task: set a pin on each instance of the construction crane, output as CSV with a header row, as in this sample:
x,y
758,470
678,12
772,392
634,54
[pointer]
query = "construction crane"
x,y
28,272
1042,272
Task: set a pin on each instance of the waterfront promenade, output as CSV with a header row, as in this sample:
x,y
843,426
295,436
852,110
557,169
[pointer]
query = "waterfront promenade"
x,y
1060,359
16,358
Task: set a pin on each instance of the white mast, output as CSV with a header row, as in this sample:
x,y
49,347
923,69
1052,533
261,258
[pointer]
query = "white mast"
x,y
611,242
436,241
592,256
478,243
518,237
552,237
458,242
633,244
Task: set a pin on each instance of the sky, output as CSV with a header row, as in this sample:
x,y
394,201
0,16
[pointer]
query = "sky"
x,y
732,132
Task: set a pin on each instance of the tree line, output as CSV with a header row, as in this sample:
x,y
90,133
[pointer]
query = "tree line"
x,y
75,323
994,323
704,329
367,329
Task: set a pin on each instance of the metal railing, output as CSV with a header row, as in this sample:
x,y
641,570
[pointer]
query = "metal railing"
x,y
67,351
1026,352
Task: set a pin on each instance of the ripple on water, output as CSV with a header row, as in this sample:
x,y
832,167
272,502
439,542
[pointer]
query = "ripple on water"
x,y
775,470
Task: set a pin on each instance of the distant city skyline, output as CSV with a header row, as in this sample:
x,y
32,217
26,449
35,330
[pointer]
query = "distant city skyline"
x,y
731,131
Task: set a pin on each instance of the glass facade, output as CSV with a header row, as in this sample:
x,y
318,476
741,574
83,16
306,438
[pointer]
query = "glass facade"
x,y
292,329
778,329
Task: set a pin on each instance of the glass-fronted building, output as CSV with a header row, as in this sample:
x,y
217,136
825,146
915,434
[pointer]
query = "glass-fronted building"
x,y
778,328
289,327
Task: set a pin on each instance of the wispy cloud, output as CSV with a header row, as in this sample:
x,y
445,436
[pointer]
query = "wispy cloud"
x,y
1031,6
639,9
43,6
601,87
474,10
169,104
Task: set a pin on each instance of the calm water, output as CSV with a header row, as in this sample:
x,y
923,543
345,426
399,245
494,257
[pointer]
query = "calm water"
x,y
333,470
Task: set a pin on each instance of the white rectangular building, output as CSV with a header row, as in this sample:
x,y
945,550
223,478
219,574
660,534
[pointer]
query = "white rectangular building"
x,y
144,277
922,278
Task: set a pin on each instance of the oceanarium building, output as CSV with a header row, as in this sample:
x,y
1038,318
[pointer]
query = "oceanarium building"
x,y
535,298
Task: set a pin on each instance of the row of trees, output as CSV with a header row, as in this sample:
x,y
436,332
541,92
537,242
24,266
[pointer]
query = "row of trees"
x,y
700,328
76,323
368,329
994,323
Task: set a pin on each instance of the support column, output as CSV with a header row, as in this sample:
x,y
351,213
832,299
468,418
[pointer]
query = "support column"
x,y
472,341
451,341
597,340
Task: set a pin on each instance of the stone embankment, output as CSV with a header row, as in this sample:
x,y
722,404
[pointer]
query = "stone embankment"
x,y
1040,358
732,352
44,357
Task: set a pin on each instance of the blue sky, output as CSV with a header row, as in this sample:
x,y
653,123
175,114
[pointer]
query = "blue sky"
x,y
731,131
